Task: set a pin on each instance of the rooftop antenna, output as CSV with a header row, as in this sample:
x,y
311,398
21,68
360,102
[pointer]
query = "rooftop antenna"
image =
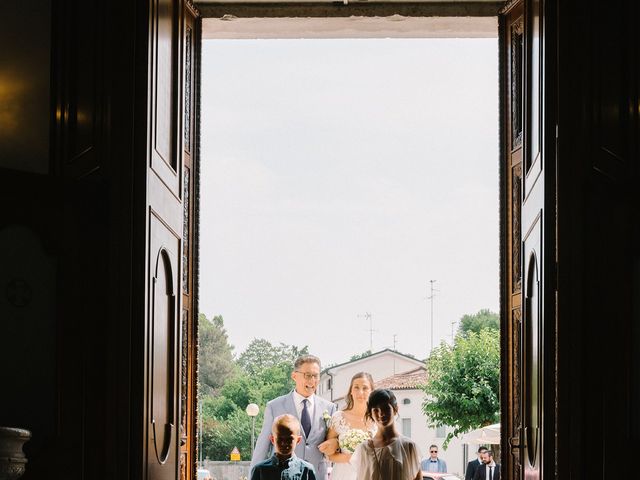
x,y
431,297
368,316
394,349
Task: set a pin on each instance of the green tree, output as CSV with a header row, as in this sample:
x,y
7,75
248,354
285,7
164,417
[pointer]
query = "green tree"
x,y
215,359
262,372
463,382
261,355
219,437
476,322
358,356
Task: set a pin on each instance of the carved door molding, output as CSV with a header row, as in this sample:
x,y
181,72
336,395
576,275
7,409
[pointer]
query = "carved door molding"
x,y
512,31
189,324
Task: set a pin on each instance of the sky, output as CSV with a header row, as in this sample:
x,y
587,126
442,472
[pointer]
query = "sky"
x,y
338,177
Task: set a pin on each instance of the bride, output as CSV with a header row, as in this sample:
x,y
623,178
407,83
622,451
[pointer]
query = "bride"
x,y
347,425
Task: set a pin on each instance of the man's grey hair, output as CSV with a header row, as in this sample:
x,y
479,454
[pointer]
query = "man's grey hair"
x,y
302,359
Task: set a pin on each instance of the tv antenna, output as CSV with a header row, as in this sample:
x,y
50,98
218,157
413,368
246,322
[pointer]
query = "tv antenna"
x,y
368,316
430,297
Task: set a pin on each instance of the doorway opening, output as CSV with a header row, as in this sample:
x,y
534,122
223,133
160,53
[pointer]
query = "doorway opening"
x,y
349,209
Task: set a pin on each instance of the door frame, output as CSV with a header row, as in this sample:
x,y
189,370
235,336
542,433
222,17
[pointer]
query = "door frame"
x,y
415,9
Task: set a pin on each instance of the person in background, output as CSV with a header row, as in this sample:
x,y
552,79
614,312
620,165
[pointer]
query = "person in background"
x,y
489,470
345,424
473,465
433,463
285,435
388,455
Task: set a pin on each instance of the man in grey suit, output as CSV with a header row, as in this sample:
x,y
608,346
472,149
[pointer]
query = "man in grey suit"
x,y
308,408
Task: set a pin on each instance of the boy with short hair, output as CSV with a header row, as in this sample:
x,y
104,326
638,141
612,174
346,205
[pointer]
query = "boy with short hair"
x,y
283,464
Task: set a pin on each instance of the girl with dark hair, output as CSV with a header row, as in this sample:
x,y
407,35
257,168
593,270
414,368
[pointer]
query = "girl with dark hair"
x,y
349,427
388,455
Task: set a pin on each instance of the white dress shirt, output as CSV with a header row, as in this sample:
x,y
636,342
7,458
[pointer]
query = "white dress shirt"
x,y
492,469
297,399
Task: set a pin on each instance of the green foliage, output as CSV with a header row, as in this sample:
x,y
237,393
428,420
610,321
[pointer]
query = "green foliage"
x,y
261,373
219,407
215,360
358,356
463,383
219,437
261,355
485,318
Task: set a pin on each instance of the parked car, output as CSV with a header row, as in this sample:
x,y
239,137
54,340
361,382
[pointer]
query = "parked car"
x,y
439,476
204,474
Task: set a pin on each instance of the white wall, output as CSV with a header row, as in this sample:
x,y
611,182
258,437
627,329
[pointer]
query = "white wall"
x,y
425,436
385,365
379,366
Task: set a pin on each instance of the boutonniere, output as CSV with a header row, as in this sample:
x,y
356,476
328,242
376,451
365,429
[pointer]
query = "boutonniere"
x,y
327,418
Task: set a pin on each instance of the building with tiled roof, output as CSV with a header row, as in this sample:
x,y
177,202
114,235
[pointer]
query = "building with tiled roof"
x,y
335,380
405,376
413,379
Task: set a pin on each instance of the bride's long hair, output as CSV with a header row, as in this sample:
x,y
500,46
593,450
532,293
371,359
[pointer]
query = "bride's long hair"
x,y
366,376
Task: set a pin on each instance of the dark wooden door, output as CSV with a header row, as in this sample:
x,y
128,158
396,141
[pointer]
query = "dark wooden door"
x,y
170,180
535,259
530,300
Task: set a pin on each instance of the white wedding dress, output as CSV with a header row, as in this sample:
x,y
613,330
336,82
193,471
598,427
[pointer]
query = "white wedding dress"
x,y
345,471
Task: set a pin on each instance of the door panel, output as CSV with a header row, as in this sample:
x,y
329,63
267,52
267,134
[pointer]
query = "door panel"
x,y
164,212
531,350
164,262
164,86
534,216
170,178
533,35
529,303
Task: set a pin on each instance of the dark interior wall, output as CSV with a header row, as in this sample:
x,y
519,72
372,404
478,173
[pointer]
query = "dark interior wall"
x,y
68,89
598,234
25,77
29,272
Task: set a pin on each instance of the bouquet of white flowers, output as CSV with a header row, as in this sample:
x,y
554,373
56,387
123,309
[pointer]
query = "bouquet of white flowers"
x,y
350,440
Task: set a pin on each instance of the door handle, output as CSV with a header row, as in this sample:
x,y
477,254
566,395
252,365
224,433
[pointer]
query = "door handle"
x,y
516,443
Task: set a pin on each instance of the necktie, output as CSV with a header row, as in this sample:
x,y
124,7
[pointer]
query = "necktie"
x,y
490,473
305,419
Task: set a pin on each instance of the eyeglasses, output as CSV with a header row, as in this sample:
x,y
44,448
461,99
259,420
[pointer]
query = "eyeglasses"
x,y
310,376
434,451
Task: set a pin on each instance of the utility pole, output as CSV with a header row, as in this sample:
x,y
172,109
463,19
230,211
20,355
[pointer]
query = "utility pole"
x,y
452,336
431,297
200,434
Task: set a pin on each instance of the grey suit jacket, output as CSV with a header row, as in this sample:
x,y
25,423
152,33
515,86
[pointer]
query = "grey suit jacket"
x,y
442,465
307,449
